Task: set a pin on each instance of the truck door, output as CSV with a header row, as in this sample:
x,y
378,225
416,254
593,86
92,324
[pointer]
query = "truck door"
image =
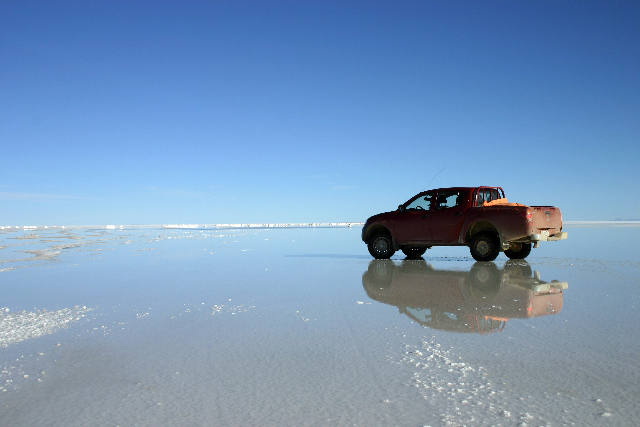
x,y
414,222
447,216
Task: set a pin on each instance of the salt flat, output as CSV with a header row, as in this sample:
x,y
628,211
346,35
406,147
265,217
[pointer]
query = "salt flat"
x,y
299,326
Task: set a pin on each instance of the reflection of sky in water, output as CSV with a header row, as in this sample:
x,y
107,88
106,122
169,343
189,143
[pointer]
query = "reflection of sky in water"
x,y
250,323
589,242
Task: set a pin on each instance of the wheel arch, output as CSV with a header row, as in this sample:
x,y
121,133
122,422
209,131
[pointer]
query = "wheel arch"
x,y
478,227
374,230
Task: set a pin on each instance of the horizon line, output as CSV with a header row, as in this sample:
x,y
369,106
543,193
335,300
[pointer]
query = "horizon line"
x,y
264,225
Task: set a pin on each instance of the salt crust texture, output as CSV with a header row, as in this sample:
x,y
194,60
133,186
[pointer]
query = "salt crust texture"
x,y
24,325
466,393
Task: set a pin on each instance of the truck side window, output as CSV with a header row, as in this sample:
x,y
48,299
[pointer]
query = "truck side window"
x,y
448,199
420,204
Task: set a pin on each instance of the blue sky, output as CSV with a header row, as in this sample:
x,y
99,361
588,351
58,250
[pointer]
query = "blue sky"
x,y
126,112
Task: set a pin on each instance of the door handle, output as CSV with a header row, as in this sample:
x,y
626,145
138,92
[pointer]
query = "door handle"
x,y
425,216
458,213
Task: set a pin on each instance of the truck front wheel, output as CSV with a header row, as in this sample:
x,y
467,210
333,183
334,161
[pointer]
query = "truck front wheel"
x,y
484,247
381,247
518,250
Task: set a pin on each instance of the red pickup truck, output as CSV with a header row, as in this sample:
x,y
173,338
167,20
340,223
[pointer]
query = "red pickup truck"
x,y
478,217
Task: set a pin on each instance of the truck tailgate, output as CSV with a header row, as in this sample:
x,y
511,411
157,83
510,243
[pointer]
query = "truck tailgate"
x,y
546,218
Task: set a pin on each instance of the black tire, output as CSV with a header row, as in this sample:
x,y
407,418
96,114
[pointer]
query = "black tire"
x,y
381,246
518,250
484,246
413,251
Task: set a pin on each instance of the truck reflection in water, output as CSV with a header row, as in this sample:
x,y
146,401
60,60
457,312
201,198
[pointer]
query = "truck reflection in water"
x,y
480,300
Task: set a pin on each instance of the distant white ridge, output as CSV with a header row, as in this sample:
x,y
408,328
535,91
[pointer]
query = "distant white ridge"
x,y
195,226
272,225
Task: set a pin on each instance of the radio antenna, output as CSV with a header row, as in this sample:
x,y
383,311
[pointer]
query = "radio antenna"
x,y
434,178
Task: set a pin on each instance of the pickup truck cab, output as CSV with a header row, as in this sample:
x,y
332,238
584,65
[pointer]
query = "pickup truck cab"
x,y
478,217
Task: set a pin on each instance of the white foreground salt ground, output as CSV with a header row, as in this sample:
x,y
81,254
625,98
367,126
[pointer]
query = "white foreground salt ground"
x,y
298,326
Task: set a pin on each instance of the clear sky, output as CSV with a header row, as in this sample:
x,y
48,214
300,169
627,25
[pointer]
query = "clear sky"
x,y
154,112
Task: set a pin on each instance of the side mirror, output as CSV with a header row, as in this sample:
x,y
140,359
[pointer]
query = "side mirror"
x,y
400,208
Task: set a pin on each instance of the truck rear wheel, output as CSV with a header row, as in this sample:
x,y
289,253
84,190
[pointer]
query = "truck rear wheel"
x,y
518,250
484,246
381,247
413,251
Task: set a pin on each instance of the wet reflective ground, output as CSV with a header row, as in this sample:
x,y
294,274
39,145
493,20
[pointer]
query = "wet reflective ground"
x,y
259,327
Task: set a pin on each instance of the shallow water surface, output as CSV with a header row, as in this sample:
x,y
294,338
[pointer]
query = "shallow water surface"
x,y
299,326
